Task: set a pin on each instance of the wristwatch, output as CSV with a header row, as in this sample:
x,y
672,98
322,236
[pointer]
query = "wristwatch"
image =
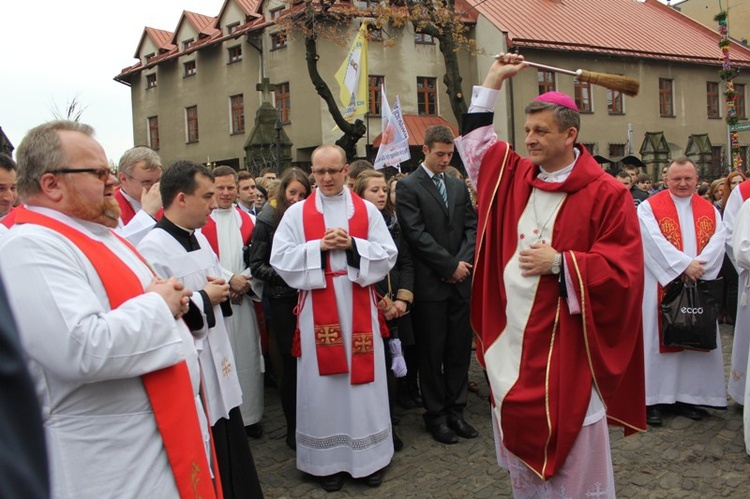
x,y
556,263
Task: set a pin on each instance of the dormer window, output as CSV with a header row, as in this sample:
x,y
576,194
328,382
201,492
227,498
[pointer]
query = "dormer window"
x,y
149,57
231,28
187,43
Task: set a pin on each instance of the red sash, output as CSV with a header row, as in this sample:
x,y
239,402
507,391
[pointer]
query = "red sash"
x,y
666,216
169,390
126,211
246,230
329,343
10,218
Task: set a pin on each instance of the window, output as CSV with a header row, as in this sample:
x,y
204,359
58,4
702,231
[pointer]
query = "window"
x,y
614,102
151,80
666,97
153,132
276,13
591,148
189,69
283,101
149,57
376,34
712,99
186,44
546,80
583,96
235,53
231,28
373,89
739,104
191,118
237,110
616,150
278,40
426,96
423,39
717,158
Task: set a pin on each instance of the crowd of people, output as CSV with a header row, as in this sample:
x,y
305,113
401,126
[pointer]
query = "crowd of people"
x,y
152,306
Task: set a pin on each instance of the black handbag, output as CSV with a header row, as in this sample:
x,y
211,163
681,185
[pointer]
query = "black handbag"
x,y
689,314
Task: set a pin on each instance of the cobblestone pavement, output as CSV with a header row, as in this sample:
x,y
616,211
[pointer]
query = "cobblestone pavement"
x,y
683,458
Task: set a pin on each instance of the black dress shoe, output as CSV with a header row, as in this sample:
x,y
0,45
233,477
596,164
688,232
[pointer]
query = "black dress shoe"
x,y
462,428
375,479
254,430
332,483
443,434
688,410
653,415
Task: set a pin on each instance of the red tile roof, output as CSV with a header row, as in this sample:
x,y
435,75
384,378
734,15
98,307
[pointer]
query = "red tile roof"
x,y
416,126
627,28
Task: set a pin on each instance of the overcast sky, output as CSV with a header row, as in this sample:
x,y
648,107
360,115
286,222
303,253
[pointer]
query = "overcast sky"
x,y
56,51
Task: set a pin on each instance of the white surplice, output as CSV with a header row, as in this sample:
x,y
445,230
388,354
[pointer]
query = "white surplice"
x,y
86,361
170,259
688,376
340,426
741,248
242,325
741,336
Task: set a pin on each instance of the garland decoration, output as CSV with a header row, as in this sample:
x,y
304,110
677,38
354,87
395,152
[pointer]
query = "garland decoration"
x,y
727,73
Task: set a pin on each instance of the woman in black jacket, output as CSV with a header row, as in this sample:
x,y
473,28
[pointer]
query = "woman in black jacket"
x,y
281,298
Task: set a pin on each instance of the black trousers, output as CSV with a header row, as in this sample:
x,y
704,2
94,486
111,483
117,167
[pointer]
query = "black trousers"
x,y
443,334
284,324
239,479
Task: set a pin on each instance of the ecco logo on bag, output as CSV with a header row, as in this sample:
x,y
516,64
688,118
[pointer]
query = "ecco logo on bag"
x,y
691,310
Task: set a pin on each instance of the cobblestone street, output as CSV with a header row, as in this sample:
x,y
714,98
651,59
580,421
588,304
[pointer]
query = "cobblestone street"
x,y
683,458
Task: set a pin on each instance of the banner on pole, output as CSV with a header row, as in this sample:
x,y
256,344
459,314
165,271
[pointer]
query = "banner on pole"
x,y
394,138
352,76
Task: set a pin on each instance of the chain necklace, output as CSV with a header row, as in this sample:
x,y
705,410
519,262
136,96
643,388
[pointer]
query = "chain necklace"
x,y
540,230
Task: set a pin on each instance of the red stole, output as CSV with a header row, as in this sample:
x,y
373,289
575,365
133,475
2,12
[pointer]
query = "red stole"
x,y
169,390
329,343
744,188
126,211
246,230
665,213
563,355
10,218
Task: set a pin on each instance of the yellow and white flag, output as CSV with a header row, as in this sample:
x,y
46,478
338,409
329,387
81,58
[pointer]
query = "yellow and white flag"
x,y
352,76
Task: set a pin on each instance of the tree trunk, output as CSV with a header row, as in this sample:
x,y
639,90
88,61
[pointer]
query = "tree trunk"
x,y
352,132
452,78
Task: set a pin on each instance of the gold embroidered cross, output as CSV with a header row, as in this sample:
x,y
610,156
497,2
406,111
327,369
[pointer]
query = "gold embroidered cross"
x,y
226,367
363,343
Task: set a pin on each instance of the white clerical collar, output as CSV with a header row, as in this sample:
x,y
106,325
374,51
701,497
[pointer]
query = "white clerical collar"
x,y
189,231
559,176
133,202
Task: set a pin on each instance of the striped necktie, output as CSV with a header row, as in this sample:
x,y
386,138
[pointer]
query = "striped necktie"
x,y
438,179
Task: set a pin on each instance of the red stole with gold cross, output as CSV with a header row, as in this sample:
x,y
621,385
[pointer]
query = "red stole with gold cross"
x,y
665,213
329,342
169,389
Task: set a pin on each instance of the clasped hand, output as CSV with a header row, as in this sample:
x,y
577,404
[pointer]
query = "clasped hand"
x,y
335,238
173,292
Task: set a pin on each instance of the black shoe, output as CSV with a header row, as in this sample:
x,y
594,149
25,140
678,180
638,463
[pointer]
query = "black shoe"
x,y
688,410
332,483
462,428
403,398
375,479
398,444
254,430
443,434
653,415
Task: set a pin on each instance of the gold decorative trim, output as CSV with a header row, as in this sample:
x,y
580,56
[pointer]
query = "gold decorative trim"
x,y
546,388
328,335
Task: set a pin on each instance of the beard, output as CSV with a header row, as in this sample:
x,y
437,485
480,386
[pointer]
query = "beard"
x,y
106,213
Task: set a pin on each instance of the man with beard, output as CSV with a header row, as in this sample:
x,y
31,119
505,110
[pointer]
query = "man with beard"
x,y
176,248
116,375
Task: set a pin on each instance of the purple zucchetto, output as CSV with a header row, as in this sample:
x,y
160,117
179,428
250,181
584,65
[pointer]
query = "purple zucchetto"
x,y
558,99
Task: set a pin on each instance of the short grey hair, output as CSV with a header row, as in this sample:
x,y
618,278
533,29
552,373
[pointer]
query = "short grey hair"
x,y
40,152
136,154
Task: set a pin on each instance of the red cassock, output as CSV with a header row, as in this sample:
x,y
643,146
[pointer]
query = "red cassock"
x,y
562,354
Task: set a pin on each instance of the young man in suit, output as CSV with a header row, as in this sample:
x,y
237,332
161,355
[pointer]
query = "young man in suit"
x,y
439,224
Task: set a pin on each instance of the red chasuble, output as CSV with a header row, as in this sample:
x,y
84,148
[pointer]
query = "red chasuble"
x,y
126,211
563,355
329,341
665,213
169,390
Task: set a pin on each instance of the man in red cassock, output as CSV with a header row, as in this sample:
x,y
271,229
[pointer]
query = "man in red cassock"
x,y
556,300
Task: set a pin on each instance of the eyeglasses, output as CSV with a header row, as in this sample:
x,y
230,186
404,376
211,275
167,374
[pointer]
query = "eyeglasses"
x,y
327,171
102,173
145,183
